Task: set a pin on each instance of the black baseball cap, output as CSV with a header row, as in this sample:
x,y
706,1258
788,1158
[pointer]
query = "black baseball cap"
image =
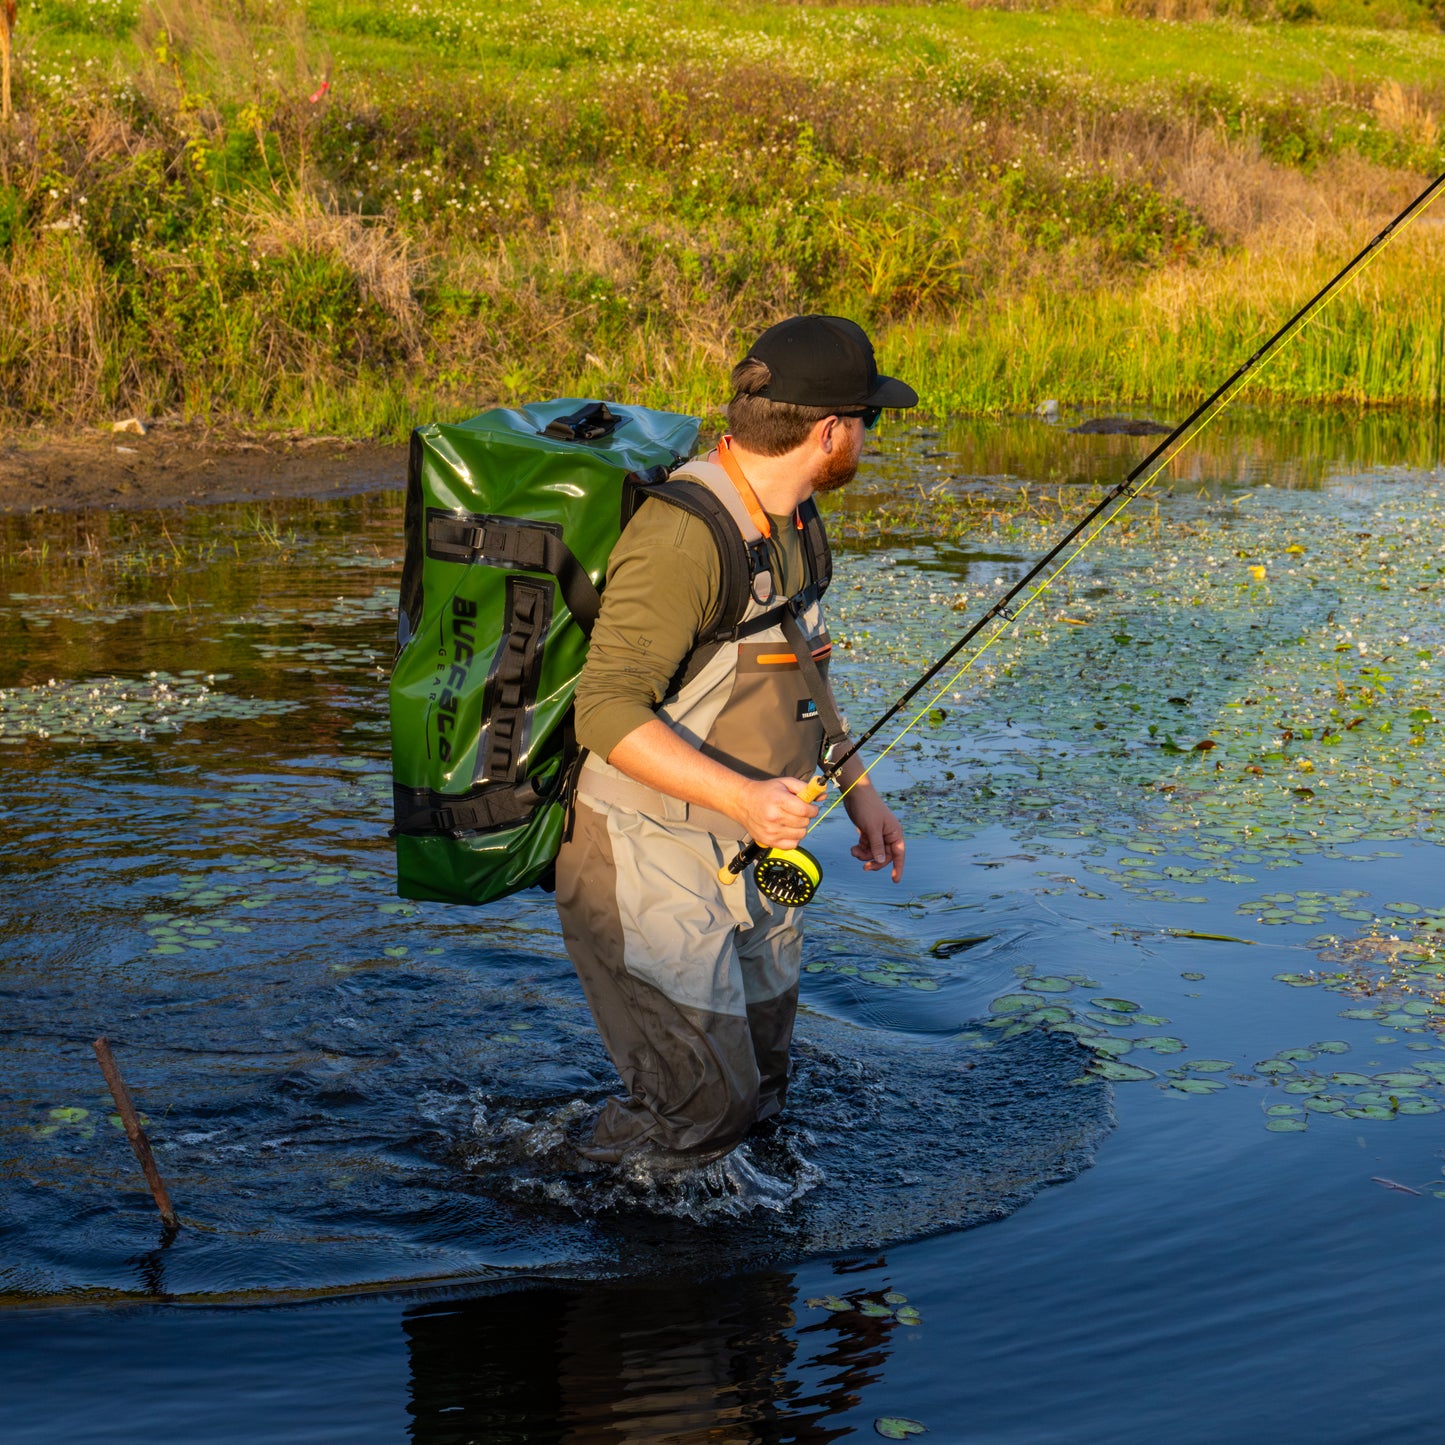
x,y
826,361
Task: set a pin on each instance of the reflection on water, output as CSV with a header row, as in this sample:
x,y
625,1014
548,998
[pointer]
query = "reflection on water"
x,y
1245,446
730,1361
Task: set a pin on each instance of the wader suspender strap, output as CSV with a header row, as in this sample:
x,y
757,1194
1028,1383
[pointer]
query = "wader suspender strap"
x,y
835,729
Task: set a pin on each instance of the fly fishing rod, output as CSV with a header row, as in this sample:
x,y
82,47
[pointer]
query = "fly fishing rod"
x,y
791,875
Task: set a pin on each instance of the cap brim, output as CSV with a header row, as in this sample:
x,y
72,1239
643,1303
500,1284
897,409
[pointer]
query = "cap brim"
x,y
891,392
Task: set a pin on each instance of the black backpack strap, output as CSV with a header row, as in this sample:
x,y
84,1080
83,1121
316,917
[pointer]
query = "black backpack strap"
x,y
816,548
506,798
477,539
737,566
411,597
421,812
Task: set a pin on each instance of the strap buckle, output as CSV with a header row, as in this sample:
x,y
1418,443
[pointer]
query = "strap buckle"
x,y
760,565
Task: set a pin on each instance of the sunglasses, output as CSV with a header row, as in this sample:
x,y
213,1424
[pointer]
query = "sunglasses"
x,y
868,416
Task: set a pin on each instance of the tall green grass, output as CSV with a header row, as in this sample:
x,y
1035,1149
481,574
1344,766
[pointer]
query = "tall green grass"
x,y
489,203
1177,336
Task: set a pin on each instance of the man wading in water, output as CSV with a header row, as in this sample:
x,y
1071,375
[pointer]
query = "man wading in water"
x,y
694,985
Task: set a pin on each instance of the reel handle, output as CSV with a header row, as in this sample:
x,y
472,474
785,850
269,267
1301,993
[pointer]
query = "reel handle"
x,y
750,852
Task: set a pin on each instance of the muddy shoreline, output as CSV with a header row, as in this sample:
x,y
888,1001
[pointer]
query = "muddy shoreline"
x,y
182,466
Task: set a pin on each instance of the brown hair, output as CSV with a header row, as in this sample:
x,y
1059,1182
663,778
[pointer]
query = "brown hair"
x,y
760,425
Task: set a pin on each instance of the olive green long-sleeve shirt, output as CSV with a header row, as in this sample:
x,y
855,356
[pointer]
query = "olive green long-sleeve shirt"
x,y
664,582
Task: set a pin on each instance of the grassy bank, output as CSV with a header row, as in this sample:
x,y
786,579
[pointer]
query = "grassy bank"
x,y
346,216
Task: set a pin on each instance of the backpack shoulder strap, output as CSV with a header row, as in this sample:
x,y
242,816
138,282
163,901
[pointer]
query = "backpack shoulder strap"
x,y
741,549
815,545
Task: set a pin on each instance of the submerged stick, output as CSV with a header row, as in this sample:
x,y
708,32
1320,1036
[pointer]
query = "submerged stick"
x,y
134,1132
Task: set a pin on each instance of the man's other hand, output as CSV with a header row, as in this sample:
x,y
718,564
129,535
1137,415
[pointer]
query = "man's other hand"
x,y
880,834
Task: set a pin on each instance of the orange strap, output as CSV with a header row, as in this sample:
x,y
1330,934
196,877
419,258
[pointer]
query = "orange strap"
x,y
730,465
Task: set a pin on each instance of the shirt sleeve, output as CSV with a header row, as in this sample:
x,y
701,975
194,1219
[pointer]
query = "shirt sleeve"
x,y
664,582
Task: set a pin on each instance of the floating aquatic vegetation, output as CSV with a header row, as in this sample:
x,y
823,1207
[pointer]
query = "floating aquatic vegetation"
x,y
1220,696
897,1427
123,709
1107,1032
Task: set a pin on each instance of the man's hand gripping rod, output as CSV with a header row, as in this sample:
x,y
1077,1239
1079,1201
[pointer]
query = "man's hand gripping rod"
x,y
751,852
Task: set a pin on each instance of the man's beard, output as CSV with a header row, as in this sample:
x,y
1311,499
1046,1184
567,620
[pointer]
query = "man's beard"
x,y
839,469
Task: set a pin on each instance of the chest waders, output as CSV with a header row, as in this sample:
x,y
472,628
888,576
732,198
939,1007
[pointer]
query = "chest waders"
x,y
787,876
754,696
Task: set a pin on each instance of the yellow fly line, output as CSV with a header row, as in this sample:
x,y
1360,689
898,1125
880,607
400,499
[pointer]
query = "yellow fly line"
x,y
1131,488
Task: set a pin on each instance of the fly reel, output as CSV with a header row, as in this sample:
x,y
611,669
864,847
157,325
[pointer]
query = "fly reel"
x,y
789,876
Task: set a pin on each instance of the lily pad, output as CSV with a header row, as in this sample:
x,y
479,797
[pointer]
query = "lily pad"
x,y
1110,1046
896,1427
1118,1072
1286,1126
1052,1015
1116,1005
947,947
1014,1003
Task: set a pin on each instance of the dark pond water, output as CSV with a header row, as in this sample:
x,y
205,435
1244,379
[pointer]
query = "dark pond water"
x,y
1158,1003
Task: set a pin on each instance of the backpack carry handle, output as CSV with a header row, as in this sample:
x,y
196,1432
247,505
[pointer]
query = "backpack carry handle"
x,y
588,424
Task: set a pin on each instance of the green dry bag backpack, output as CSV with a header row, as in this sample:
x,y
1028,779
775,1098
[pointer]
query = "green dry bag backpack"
x,y
510,518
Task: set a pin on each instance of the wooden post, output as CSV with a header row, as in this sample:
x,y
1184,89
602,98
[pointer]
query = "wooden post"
x,y
133,1130
7,33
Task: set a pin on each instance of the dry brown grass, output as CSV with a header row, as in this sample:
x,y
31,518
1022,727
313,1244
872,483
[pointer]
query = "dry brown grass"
x,y
1406,114
54,324
387,264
